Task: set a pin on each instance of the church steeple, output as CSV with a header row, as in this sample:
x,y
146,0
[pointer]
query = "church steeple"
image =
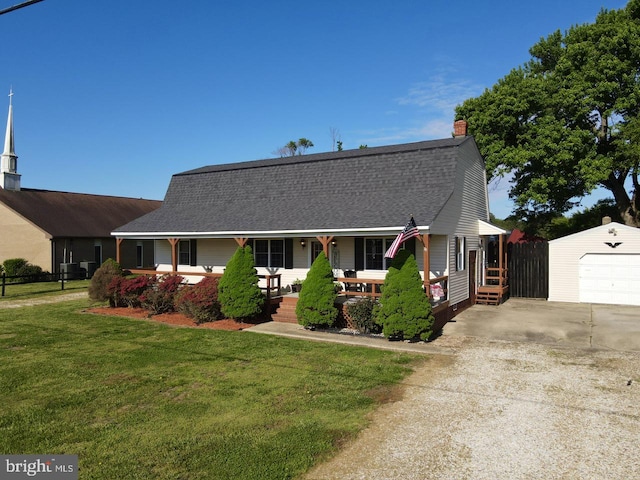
x,y
9,160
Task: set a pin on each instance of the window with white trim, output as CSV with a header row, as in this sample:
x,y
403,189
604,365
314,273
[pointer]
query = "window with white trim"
x,y
184,252
374,250
268,253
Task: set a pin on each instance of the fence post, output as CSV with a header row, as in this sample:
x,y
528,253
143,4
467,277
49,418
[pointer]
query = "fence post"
x,y
4,279
62,280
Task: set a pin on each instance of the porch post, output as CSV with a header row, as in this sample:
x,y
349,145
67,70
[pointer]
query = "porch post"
x,y
174,253
325,241
241,241
118,243
426,262
500,257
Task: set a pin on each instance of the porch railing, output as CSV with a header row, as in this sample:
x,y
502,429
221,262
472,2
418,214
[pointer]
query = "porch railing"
x,y
370,287
272,286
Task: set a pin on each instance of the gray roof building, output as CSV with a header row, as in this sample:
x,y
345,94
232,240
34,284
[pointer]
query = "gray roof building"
x,y
372,189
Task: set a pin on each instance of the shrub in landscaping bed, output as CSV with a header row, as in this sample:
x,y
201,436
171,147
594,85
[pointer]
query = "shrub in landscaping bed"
x,y
316,301
238,291
99,286
128,291
360,313
404,311
159,297
200,301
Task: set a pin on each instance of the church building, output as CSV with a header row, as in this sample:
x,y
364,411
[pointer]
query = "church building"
x,y
63,231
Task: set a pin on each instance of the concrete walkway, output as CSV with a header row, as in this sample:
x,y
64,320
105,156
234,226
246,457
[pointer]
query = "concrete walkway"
x,y
578,325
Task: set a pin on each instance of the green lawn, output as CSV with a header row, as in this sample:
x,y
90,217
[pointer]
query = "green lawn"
x,y
140,400
21,291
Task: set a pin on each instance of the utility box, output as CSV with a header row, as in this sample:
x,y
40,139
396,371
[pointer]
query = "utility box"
x,y
69,271
88,269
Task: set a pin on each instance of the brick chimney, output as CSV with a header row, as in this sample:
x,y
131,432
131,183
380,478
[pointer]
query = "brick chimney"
x,y
460,128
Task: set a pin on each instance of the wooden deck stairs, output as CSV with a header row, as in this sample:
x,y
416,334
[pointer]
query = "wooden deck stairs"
x,y
496,287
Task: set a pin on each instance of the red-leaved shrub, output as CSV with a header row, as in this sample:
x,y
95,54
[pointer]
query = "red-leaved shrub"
x,y
160,297
200,301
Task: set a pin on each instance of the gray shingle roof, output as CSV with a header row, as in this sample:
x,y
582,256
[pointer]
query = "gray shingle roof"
x,y
355,189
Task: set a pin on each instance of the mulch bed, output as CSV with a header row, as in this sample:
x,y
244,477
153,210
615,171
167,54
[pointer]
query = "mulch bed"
x,y
173,318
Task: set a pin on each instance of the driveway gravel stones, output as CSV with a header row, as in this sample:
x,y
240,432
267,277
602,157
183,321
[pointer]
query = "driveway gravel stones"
x,y
504,410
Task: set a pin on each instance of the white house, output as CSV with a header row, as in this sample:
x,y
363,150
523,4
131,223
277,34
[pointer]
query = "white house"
x,y
599,265
350,204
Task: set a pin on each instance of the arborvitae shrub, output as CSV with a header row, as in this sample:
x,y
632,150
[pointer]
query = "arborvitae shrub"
x,y
200,301
404,310
238,291
316,301
98,288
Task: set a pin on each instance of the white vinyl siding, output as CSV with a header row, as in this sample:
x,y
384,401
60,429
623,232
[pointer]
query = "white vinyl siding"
x,y
565,255
460,215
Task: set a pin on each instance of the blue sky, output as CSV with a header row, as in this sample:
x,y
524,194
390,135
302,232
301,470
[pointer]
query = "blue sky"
x,y
113,97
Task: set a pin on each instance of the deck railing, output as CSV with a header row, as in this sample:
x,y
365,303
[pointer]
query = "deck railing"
x,y
370,287
272,287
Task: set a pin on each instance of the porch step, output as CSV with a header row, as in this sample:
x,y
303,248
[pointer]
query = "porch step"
x,y
488,298
491,295
285,309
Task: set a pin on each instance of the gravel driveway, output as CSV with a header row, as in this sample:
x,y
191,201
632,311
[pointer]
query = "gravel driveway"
x,y
504,410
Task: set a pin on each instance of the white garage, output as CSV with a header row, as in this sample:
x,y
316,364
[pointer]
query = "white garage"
x,y
599,265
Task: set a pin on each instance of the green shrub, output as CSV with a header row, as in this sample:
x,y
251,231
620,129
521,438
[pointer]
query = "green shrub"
x,y
29,269
12,265
238,291
361,314
99,286
200,301
316,302
159,296
404,311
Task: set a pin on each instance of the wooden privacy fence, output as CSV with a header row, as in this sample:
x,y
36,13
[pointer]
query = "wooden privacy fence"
x,y
528,265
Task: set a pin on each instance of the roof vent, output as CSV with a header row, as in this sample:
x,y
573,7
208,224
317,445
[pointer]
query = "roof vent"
x,y
460,128
606,220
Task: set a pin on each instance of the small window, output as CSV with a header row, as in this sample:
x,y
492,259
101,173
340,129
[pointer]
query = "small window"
x,y
139,255
460,253
316,248
268,253
184,252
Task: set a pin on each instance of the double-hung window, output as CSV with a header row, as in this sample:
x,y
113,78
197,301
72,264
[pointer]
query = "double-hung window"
x,y
375,249
184,252
269,253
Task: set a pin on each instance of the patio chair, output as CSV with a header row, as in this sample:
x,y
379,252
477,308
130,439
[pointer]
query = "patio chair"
x,y
351,286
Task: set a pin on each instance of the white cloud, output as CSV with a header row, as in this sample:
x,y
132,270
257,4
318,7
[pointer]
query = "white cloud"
x,y
439,94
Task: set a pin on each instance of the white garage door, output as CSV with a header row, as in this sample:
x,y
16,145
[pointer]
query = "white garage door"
x,y
610,279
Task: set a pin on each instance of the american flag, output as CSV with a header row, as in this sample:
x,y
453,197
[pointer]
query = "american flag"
x,y
409,231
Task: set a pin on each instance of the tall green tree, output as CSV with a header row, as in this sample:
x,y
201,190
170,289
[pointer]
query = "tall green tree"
x,y
239,295
404,310
567,121
316,302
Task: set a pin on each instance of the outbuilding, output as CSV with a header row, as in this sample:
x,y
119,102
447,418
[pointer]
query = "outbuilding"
x,y
599,265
